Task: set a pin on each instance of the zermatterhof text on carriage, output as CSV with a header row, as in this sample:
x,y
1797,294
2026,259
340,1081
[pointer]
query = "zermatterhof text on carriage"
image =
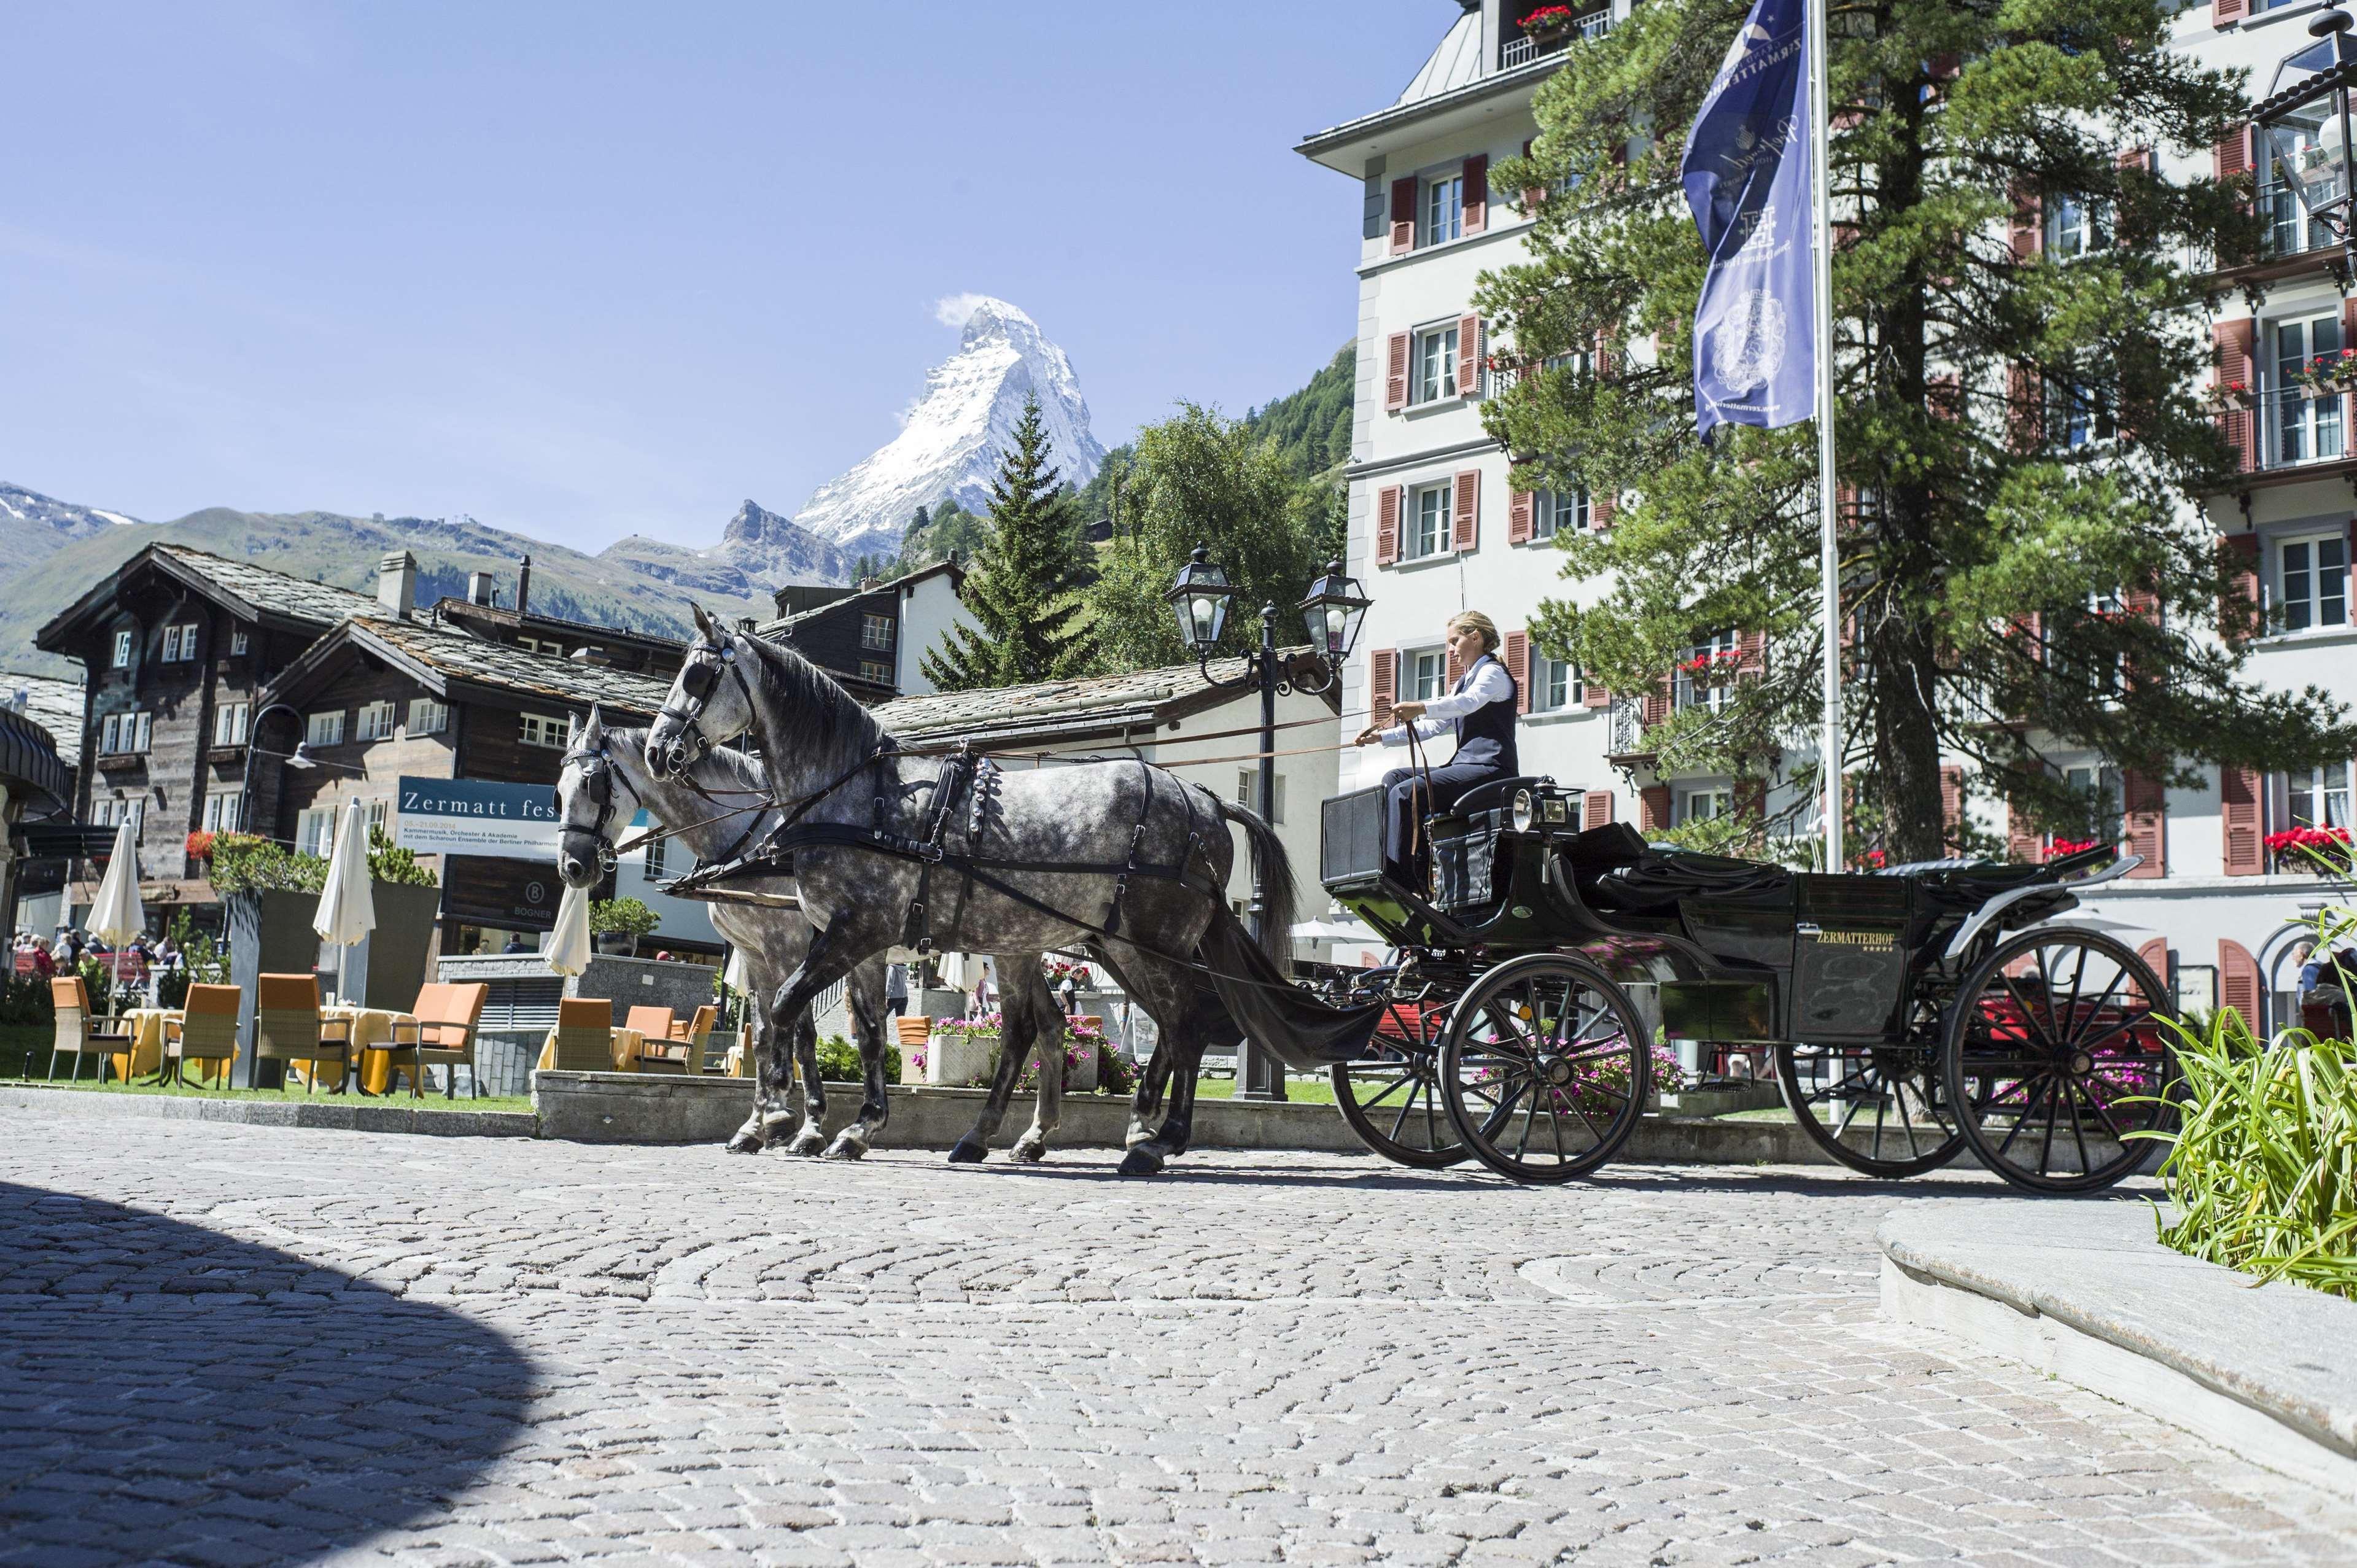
x,y
1435,527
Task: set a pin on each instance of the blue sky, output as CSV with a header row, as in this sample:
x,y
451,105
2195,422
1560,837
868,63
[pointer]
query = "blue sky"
x,y
586,270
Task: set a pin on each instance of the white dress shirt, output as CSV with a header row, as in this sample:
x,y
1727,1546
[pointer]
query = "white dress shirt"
x,y
1487,682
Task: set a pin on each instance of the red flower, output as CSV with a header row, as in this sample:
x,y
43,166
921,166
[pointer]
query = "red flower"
x,y
2073,846
200,846
1550,16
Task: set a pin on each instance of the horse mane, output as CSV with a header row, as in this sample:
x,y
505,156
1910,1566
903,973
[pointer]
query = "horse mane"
x,y
834,733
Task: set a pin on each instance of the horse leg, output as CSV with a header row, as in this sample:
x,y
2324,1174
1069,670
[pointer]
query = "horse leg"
x,y
811,1137
1032,1147
1177,1007
768,1122
863,999
790,1016
1016,1028
1151,1084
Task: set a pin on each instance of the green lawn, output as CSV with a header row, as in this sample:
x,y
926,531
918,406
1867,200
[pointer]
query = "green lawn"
x,y
24,1054
1301,1090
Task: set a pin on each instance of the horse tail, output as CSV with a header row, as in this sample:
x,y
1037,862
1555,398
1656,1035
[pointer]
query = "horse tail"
x,y
1272,873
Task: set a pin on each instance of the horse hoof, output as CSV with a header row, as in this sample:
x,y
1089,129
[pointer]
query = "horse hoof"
x,y
1029,1152
847,1148
1141,1161
1137,1135
810,1141
969,1151
746,1142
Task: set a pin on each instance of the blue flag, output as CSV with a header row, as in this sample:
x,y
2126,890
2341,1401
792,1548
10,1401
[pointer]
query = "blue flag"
x,y
1747,177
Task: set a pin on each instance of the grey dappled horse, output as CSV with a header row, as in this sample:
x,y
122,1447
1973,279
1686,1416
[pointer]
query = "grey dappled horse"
x,y
604,784
823,747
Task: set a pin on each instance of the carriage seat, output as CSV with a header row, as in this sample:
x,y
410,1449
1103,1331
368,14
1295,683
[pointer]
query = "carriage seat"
x,y
1967,887
1659,880
1488,796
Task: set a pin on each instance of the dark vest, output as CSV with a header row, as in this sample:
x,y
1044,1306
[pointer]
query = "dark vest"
x,y
1486,736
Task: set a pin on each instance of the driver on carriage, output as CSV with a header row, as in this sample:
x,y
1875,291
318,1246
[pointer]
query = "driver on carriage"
x,y
1480,711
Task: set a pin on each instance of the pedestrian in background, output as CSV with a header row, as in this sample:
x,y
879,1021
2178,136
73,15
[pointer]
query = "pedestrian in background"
x,y
895,989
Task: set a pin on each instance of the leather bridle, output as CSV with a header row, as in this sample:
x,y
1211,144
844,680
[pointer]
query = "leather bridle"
x,y
697,682
597,783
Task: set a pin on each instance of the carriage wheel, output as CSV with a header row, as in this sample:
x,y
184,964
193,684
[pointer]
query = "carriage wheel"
x,y
2056,1054
1890,1098
1546,1068
1392,1100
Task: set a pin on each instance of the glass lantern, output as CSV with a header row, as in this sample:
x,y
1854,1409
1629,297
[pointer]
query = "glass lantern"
x,y
1201,597
1333,613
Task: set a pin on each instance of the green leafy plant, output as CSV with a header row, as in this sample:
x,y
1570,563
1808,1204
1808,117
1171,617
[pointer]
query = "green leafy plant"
x,y
838,1061
388,861
248,863
2264,1169
622,917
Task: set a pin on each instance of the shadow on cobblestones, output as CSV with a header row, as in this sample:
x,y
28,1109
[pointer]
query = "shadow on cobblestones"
x,y
170,1393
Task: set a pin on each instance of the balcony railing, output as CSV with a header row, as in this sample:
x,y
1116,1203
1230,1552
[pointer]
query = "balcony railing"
x,y
1521,51
2290,231
2294,428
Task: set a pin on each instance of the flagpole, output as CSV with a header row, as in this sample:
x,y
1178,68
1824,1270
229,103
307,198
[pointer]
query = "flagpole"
x,y
1829,544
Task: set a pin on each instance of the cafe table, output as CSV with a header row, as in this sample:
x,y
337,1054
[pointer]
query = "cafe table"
x,y
626,1045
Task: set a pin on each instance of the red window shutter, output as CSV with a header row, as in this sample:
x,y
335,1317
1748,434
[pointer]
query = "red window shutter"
x,y
2022,842
1593,694
2025,408
2230,155
1751,653
2146,831
1658,703
1951,804
1387,524
1533,195
1599,510
2238,981
1752,799
1594,808
1395,373
1519,526
1653,808
1466,494
2233,340
1945,397
2225,13
2238,612
1476,193
1602,354
1383,686
1469,356
2239,809
1518,665
1402,215
2028,228
2155,954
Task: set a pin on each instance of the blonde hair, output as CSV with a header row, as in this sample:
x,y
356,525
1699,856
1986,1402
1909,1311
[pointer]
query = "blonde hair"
x,y
1474,620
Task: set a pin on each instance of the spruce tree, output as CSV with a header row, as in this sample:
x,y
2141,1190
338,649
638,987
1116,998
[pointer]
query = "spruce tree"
x,y
1024,598
2023,434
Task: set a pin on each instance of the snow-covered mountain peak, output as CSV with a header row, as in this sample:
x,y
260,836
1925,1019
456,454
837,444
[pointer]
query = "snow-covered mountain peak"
x,y
952,437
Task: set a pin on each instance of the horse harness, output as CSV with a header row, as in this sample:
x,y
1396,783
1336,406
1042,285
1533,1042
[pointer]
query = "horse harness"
x,y
597,783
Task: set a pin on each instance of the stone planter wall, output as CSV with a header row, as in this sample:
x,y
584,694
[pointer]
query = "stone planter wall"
x,y
960,1061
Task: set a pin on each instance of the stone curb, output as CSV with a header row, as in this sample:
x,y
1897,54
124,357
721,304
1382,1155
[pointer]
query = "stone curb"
x,y
81,1104
2082,1290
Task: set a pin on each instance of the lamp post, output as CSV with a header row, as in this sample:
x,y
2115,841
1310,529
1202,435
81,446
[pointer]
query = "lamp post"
x,y
299,757
1330,613
2304,126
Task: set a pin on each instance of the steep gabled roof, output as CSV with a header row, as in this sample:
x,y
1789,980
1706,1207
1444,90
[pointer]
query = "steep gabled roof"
x,y
249,592
453,665
1456,63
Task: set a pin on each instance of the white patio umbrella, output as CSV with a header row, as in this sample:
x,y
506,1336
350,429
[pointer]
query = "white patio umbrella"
x,y
347,911
567,949
117,915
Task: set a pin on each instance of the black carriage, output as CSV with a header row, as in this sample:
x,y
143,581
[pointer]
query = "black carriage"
x,y
1913,1013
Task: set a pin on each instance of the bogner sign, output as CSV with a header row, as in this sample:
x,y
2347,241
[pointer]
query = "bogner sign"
x,y
474,816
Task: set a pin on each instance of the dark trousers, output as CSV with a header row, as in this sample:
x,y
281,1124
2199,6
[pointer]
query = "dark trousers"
x,y
1403,802
900,1005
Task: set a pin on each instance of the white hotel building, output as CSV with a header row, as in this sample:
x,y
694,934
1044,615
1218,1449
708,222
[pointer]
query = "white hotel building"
x,y
1435,527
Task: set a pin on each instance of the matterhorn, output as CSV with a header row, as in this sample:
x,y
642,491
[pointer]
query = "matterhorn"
x,y
953,437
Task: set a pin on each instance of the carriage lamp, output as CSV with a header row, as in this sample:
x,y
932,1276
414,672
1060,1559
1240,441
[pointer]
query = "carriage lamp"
x,y
1333,613
2304,122
1526,811
1201,595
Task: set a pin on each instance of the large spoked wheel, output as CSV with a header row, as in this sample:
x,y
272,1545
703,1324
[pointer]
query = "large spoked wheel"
x,y
1391,1096
1546,1068
2056,1052
1879,1110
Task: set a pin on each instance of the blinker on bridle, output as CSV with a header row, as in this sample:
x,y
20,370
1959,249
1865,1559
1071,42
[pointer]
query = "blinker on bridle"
x,y
598,780
697,682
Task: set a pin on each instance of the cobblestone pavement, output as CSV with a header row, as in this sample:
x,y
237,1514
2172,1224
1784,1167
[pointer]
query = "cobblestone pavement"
x,y
222,1344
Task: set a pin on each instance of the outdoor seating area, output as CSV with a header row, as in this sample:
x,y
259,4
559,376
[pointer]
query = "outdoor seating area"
x,y
649,1040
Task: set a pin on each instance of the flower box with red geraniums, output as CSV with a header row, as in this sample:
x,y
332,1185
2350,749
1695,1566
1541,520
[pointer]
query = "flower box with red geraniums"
x,y
2071,846
2318,851
1726,659
1549,24
962,1053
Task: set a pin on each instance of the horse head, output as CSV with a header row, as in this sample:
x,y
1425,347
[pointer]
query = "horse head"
x,y
592,793
709,701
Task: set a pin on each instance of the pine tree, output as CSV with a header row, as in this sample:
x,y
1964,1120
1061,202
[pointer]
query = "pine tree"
x,y
2022,438
1024,598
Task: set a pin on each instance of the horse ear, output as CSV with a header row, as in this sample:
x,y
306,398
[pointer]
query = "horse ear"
x,y
702,621
594,730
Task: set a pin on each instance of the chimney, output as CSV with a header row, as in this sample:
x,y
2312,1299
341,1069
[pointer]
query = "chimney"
x,y
478,588
396,582
524,586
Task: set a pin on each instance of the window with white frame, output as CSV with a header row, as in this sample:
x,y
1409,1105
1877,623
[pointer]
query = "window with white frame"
x,y
325,729
1435,364
2306,428
1555,684
230,724
2099,786
375,722
125,735
547,645
2318,796
378,810
105,813
1560,512
1705,803
542,729
1706,673
2074,226
171,645
220,812
2076,414
1428,519
876,631
1248,794
2312,580
314,831
427,716
238,642
1443,208
875,670
189,641
658,855
1424,674
123,642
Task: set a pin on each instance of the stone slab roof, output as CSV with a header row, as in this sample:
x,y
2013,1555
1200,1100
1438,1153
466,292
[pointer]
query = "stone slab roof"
x,y
55,705
448,656
1143,698
274,592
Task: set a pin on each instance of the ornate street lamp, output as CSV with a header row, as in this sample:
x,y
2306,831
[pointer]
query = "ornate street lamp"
x,y
2304,124
1332,611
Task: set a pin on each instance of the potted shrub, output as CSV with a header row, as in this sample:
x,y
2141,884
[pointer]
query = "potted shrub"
x,y
2320,852
617,924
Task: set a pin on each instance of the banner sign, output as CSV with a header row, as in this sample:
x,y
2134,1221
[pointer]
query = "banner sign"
x,y
1747,177
475,816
